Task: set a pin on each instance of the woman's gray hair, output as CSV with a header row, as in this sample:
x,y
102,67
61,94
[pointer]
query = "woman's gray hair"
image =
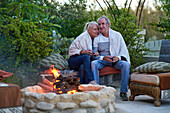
x,y
107,19
89,25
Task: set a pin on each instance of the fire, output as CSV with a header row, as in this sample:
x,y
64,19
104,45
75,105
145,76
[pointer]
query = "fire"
x,y
56,75
72,92
54,71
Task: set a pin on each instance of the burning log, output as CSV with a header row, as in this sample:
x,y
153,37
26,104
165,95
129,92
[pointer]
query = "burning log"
x,y
90,87
66,84
54,81
44,86
46,81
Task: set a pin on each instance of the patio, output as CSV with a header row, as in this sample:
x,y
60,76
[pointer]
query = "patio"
x,y
141,104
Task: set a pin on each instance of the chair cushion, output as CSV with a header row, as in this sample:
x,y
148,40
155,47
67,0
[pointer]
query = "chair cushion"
x,y
162,79
145,78
153,67
108,70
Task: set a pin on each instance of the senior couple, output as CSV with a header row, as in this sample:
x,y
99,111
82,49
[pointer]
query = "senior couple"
x,y
99,46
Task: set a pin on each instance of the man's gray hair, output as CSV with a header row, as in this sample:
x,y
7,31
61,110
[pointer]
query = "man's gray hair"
x,y
89,25
107,19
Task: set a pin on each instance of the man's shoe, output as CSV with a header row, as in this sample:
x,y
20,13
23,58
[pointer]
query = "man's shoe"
x,y
93,82
124,96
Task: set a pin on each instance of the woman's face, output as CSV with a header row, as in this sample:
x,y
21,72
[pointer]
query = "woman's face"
x,y
93,31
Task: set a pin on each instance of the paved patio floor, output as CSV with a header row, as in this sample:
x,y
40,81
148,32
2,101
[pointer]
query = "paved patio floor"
x,y
141,104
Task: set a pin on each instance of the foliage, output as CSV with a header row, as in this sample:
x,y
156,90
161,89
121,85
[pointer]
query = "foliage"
x,y
25,40
29,10
71,16
149,15
26,9
23,44
25,74
62,45
164,23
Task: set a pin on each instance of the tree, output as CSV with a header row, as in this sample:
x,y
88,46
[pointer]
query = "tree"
x,y
72,17
148,16
164,23
25,37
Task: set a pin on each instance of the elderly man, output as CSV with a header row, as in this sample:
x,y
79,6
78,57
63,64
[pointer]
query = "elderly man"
x,y
80,52
113,52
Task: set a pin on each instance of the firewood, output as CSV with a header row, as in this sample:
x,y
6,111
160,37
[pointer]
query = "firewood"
x,y
44,86
90,87
46,81
61,84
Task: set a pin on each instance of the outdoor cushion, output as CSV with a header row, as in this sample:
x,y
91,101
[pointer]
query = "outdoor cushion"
x,y
162,79
108,70
153,67
145,78
55,59
4,74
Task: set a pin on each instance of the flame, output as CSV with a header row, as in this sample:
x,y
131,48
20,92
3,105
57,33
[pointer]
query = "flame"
x,y
60,92
55,71
57,81
51,83
56,74
72,92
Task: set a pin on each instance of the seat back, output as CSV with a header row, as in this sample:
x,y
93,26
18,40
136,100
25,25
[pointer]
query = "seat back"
x,y
164,55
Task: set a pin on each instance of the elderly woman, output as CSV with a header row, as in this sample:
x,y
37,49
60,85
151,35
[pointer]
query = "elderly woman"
x,y
80,52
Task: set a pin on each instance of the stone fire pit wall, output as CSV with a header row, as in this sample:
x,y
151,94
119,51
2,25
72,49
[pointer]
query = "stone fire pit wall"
x,y
102,101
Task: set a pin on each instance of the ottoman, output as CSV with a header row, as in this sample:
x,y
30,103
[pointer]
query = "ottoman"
x,y
149,84
9,95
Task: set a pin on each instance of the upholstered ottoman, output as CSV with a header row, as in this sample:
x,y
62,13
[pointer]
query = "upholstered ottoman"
x,y
9,95
149,84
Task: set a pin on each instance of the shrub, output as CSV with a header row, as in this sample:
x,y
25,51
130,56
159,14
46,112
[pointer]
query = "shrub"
x,y
25,40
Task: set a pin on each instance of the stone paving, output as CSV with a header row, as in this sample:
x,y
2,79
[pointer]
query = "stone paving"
x,y
11,110
141,104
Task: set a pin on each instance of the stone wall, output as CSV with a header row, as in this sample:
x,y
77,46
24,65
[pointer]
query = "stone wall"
x,y
102,101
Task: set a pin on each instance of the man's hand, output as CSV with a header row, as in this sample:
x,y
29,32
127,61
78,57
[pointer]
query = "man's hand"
x,y
111,59
115,59
88,52
107,58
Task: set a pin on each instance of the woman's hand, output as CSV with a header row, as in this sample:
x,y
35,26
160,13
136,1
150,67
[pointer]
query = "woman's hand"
x,y
88,52
96,54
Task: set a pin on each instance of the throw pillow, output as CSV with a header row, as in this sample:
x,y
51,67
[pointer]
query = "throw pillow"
x,y
153,67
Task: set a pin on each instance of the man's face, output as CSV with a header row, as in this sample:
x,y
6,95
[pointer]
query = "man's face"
x,y
93,31
103,26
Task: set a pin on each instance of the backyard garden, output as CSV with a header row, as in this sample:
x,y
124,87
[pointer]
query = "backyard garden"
x,y
32,30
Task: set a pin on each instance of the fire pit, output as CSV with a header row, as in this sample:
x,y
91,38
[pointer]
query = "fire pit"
x,y
85,99
34,100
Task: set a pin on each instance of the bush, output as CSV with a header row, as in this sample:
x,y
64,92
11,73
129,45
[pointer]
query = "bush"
x,y
25,40
62,45
23,45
